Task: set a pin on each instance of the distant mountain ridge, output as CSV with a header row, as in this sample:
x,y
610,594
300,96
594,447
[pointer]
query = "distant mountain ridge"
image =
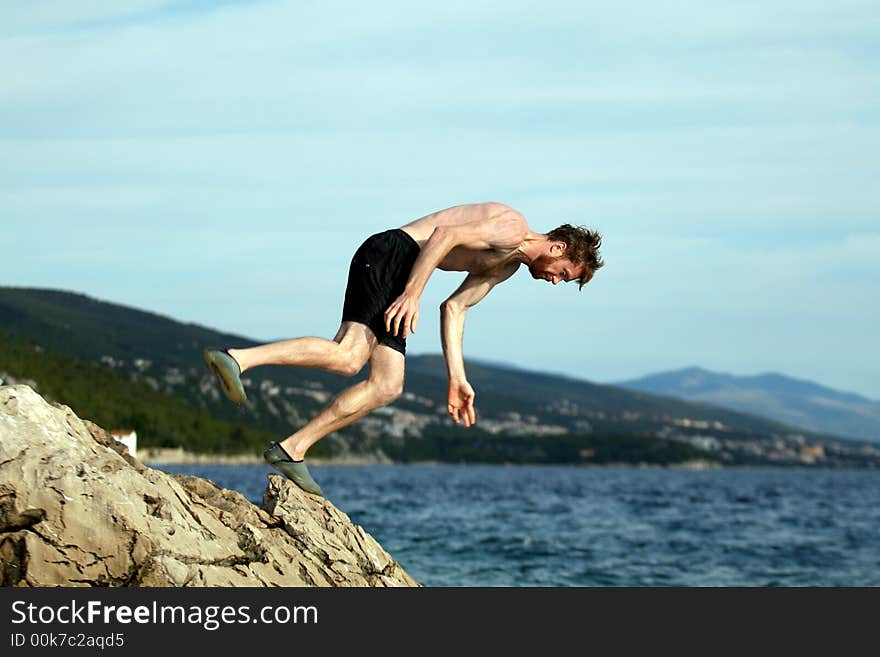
x,y
794,401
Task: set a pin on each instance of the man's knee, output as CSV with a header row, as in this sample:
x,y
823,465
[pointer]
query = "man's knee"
x,y
350,362
349,367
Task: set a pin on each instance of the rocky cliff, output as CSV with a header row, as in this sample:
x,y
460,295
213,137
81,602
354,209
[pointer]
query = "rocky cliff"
x,y
77,510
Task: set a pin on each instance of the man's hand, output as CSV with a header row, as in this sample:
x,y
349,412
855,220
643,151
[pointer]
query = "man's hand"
x,y
402,315
461,402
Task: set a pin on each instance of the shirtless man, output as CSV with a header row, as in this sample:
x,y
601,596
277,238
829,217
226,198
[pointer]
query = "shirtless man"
x,y
388,273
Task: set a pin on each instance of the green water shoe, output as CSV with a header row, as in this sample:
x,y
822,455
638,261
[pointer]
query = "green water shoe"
x,y
296,471
229,373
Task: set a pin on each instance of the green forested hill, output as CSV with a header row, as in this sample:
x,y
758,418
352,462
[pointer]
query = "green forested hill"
x,y
88,329
111,400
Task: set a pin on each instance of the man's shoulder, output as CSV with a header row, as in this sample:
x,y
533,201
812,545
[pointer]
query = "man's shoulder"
x,y
496,209
506,220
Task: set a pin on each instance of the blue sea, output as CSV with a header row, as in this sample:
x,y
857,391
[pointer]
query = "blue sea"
x,y
474,525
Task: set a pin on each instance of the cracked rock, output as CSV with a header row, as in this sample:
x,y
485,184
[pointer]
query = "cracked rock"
x,y
77,510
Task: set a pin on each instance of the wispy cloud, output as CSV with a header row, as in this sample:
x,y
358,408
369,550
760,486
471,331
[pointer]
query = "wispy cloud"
x,y
728,152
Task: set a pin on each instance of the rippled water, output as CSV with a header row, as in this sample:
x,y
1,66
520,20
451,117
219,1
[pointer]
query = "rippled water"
x,y
468,525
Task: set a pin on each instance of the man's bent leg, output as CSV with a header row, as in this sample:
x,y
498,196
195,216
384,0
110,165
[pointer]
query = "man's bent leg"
x,y
384,385
344,354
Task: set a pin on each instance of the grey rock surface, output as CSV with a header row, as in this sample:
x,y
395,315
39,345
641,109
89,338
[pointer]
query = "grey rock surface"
x,y
77,510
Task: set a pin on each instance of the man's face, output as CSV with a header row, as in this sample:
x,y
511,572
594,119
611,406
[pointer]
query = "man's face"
x,y
555,270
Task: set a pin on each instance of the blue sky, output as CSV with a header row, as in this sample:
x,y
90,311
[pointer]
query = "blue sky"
x,y
219,162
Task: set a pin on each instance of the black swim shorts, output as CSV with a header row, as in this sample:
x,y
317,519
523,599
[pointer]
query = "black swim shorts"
x,y
378,274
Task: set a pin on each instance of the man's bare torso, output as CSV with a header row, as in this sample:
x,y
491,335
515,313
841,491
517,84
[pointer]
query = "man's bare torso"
x,y
479,262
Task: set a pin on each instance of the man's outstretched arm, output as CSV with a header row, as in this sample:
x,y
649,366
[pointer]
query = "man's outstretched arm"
x,y
504,229
460,395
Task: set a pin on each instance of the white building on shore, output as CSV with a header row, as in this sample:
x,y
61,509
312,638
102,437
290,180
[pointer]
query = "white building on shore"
x,y
127,437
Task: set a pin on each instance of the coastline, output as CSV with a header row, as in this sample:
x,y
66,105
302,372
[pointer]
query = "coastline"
x,y
179,456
